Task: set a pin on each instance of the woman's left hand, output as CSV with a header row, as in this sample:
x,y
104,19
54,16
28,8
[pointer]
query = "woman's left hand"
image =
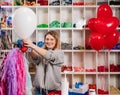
x,y
28,43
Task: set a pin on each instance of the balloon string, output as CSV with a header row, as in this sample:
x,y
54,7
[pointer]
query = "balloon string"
x,y
102,83
115,58
105,60
98,58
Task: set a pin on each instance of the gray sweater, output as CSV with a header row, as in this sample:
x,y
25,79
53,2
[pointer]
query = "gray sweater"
x,y
48,70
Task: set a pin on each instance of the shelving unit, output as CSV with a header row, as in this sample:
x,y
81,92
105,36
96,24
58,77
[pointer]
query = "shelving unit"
x,y
84,64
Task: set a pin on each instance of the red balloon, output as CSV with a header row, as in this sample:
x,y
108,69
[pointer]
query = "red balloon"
x,y
91,24
105,25
111,40
96,41
23,49
105,11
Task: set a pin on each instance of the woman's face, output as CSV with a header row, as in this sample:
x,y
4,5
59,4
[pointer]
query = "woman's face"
x,y
50,41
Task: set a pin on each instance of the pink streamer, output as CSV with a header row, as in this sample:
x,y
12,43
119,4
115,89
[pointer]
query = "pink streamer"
x,y
13,81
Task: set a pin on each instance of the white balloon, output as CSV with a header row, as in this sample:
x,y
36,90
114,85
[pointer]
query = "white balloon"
x,y
24,22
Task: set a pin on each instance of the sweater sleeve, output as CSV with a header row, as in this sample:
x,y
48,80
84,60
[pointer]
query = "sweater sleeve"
x,y
55,56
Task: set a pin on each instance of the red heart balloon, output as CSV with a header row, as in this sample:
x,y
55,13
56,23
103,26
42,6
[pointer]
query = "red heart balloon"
x,y
112,39
104,10
96,41
105,26
91,24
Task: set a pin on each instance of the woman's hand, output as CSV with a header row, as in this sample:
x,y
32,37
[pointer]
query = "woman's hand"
x,y
28,43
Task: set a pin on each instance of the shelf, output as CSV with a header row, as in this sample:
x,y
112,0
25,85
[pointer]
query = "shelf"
x,y
74,40
102,73
5,50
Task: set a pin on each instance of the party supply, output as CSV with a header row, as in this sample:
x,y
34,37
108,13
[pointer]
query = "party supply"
x,y
42,26
82,90
40,43
112,39
81,22
24,22
21,45
15,77
92,92
104,11
9,21
96,41
13,73
103,29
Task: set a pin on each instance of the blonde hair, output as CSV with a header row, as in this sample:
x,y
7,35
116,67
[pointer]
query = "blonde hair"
x,y
56,36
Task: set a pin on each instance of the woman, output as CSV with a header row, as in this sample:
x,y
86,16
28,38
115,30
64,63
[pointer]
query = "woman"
x,y
49,60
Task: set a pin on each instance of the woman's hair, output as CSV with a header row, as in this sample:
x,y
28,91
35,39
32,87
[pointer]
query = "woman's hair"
x,y
56,36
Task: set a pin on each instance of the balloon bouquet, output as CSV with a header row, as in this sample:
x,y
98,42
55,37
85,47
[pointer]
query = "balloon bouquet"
x,y
103,28
24,24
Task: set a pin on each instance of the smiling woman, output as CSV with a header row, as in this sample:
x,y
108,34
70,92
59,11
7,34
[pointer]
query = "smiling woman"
x,y
48,63
52,40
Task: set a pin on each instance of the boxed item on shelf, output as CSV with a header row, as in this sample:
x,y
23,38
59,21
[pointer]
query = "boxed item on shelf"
x,y
74,93
82,90
69,18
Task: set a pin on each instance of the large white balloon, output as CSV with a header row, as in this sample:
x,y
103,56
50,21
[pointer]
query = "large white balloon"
x,y
24,22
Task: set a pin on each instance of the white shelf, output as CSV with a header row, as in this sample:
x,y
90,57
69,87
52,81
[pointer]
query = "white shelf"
x,y
76,37
5,51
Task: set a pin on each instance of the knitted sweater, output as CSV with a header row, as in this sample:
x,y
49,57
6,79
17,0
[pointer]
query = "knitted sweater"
x,y
48,70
